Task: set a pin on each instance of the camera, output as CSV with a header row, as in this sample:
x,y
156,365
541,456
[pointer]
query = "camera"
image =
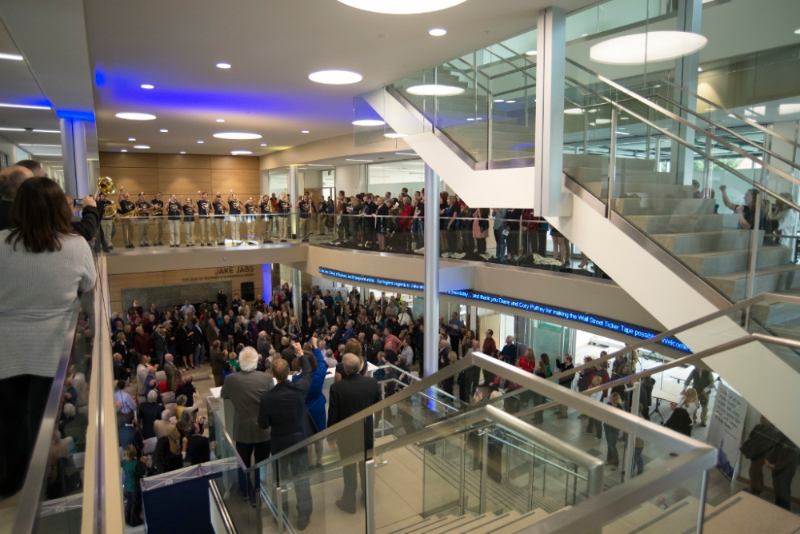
x,y
77,203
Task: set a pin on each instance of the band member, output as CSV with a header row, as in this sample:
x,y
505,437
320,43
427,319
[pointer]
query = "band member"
x,y
107,223
126,212
250,210
283,212
274,202
204,218
174,221
219,220
266,214
143,209
322,215
158,218
188,221
304,209
235,211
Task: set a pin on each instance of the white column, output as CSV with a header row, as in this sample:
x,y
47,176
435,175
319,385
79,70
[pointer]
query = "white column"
x,y
681,158
294,197
297,298
549,196
73,150
430,346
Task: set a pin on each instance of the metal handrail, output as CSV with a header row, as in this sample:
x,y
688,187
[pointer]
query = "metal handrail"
x,y
507,61
676,118
466,75
693,148
39,466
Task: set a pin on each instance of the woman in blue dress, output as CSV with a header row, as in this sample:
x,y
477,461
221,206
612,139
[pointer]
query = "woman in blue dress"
x,y
315,401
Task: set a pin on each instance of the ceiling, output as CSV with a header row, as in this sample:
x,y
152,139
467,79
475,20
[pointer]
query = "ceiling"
x,y
272,46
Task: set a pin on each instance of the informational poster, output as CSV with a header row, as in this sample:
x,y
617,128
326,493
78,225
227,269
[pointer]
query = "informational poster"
x,y
727,427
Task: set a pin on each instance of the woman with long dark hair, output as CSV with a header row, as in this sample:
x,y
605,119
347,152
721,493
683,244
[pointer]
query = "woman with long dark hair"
x,y
45,266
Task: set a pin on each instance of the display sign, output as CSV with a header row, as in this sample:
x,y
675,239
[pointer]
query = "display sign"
x,y
727,427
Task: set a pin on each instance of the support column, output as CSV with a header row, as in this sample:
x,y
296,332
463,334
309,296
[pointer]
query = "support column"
x,y
430,347
297,298
681,158
549,196
294,198
73,150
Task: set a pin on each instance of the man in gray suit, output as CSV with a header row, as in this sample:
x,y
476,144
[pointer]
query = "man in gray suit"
x,y
244,389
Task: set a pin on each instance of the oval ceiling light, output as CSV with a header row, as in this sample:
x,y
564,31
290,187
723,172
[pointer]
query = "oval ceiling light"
x,y
573,111
368,122
797,31
241,152
17,57
263,144
183,152
434,90
163,130
603,121
124,150
220,120
305,131
394,135
200,142
511,101
531,53
237,135
143,147
147,86
335,77
132,116
131,139
437,32
499,100
223,65
639,48
402,7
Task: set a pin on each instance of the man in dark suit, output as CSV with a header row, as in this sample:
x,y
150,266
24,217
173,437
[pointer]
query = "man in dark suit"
x,y
244,389
283,409
149,413
349,396
129,435
218,357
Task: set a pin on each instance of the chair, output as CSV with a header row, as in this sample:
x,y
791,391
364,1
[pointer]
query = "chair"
x,y
170,407
167,398
161,376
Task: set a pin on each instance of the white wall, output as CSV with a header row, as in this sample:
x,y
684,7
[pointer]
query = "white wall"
x,y
348,179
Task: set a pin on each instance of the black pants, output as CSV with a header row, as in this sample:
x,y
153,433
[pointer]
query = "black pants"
x,y
782,484
296,466
355,448
481,245
24,397
469,242
133,508
248,488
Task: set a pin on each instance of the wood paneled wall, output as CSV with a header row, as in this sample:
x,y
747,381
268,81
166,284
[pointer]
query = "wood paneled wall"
x,y
118,282
181,174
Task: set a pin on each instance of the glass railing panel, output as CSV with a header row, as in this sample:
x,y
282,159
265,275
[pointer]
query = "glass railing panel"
x,y
463,114
445,478
513,113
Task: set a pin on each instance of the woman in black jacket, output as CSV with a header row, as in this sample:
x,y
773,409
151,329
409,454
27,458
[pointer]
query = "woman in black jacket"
x,y
164,460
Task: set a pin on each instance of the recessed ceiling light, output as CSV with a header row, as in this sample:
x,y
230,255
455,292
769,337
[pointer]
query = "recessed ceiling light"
x,y
23,106
699,69
360,160
470,119
434,90
131,139
406,153
639,48
603,121
573,111
223,65
402,7
132,116
531,53
394,135
304,131
335,77
263,144
124,150
163,130
143,147
147,86
47,131
183,152
12,57
220,120
592,124
237,135
511,101
797,31
498,100
241,152
12,129
593,110
437,32
478,118
368,122
624,118
200,142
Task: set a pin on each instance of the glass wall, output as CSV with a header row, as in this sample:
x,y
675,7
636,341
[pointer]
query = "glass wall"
x,y
278,181
394,176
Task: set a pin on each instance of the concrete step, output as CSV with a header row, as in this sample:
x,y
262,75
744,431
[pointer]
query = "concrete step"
x,y
601,162
775,314
662,206
767,280
451,523
679,517
517,524
406,525
684,224
747,513
631,521
628,175
715,263
700,242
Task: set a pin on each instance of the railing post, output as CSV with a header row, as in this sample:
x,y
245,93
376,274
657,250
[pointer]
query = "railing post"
x,y
370,495
430,347
630,452
530,480
484,470
489,103
754,239
612,161
701,512
279,508
462,474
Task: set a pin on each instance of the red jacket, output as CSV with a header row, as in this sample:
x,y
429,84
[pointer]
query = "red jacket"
x,y
526,365
405,218
142,344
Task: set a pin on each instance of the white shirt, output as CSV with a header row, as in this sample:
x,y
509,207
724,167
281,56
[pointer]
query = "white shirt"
x,y
404,319
407,355
786,220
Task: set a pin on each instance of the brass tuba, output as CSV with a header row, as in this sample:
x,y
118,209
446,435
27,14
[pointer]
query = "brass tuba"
x,y
106,186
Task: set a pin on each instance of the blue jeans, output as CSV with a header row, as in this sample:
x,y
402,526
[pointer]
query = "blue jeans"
x,y
160,358
611,440
637,460
500,251
248,489
199,355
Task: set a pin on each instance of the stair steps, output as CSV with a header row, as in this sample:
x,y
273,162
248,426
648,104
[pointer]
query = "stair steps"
x,y
661,206
683,223
747,513
773,279
715,263
700,242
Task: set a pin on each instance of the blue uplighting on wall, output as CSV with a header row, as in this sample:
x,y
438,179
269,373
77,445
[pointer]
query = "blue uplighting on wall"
x,y
567,315
399,284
